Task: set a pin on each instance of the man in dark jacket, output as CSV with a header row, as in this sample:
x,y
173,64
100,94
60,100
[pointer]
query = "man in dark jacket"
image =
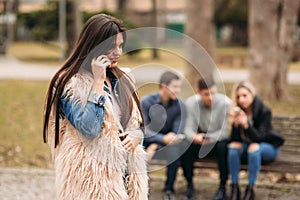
x,y
164,114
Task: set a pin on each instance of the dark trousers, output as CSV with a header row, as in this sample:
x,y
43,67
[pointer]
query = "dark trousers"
x,y
216,151
171,175
170,153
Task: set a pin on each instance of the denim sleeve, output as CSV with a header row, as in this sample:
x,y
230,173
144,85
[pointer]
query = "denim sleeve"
x,y
87,120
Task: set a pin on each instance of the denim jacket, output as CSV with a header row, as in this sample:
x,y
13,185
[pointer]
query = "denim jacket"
x,y
87,120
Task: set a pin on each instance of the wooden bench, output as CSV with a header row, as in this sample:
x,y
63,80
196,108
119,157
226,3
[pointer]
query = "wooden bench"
x,y
288,160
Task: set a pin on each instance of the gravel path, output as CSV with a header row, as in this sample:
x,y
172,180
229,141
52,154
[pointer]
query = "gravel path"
x,y
38,184
26,184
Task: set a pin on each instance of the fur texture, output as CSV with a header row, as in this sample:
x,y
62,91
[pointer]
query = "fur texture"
x,y
95,168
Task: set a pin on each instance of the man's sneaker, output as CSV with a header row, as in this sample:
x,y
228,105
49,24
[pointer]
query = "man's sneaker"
x,y
220,194
169,195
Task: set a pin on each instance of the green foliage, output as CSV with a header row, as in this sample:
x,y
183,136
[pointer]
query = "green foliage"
x,y
128,24
42,24
231,12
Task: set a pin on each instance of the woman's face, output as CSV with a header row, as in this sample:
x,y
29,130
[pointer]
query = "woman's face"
x,y
114,54
244,98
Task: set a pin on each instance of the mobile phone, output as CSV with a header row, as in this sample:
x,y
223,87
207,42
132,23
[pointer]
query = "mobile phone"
x,y
237,109
181,136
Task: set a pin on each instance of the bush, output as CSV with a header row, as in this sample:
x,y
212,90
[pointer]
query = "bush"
x,y
42,24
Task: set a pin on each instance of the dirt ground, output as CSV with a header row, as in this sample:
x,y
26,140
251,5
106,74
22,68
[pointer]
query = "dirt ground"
x,y
38,184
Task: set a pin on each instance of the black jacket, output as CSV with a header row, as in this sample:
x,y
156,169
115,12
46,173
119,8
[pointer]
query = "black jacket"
x,y
261,130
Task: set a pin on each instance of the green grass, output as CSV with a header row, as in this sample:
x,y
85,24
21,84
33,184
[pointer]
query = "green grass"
x,y
21,105
21,124
36,52
21,142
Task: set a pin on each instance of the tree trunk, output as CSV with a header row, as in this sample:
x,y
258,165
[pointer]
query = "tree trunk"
x,y
200,27
272,26
74,20
154,24
122,5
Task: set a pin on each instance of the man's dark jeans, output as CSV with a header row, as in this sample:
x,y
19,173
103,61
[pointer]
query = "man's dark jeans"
x,y
218,152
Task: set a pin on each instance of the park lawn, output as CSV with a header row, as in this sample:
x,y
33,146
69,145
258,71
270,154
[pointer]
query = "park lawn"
x,y
48,54
36,52
21,142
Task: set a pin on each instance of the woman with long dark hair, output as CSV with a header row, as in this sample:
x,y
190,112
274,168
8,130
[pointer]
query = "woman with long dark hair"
x,y
93,121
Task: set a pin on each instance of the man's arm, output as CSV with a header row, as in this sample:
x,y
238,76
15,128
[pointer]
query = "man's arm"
x,y
180,119
192,121
221,122
150,135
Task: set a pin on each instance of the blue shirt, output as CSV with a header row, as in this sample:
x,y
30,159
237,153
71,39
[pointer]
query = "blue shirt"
x,y
161,119
88,119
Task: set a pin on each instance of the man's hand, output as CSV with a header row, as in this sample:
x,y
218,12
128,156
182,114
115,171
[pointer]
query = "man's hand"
x,y
171,138
199,138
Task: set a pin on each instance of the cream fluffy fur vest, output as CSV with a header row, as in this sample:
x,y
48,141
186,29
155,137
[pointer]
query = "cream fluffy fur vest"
x,y
88,169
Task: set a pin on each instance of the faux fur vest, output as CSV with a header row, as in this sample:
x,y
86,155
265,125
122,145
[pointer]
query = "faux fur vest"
x,y
88,169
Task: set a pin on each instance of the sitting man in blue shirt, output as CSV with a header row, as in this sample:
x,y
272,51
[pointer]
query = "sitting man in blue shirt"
x,y
164,115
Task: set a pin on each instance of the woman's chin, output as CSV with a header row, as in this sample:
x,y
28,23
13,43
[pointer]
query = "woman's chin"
x,y
114,64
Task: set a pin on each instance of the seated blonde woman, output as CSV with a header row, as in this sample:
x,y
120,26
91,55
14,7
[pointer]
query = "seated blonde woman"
x,y
252,138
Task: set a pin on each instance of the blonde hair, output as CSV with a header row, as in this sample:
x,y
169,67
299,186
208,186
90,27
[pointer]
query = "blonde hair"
x,y
243,84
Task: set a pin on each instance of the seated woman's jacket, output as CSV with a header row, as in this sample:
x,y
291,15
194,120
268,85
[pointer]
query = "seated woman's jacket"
x,y
261,129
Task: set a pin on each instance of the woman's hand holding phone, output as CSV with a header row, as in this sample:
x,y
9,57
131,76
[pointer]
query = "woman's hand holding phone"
x,y
99,65
240,118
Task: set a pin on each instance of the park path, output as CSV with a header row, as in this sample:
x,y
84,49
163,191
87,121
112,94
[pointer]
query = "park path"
x,y
11,68
38,184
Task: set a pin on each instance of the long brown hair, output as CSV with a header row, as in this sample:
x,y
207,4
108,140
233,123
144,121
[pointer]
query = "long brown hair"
x,y
97,37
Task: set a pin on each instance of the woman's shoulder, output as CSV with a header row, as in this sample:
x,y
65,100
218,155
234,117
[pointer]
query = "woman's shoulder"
x,y
79,84
82,77
259,107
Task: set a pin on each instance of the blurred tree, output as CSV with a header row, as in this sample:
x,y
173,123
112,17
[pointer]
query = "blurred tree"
x,y
272,26
42,24
200,27
154,24
122,6
74,23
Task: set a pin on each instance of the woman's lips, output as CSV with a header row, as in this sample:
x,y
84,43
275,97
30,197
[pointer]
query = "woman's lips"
x,y
114,63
